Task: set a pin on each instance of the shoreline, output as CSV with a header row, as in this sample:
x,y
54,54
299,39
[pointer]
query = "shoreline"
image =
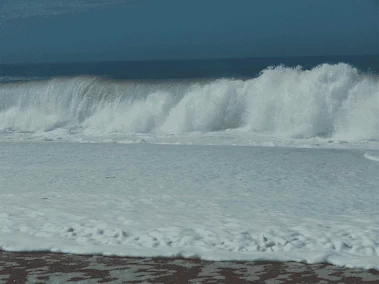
x,y
36,267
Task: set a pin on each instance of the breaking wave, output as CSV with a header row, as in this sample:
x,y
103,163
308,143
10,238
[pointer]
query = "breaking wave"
x,y
372,156
328,101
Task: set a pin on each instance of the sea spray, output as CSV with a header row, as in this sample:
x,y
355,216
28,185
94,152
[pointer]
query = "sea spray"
x,y
329,101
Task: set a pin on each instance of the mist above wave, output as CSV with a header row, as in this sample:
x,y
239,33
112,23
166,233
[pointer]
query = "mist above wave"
x,y
330,101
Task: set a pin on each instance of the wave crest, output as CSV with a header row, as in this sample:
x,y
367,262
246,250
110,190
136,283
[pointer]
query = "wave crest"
x,y
328,101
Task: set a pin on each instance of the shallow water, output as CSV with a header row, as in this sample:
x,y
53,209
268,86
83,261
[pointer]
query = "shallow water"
x,y
212,202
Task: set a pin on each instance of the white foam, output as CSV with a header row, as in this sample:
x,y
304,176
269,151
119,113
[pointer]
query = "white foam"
x,y
220,203
372,156
332,102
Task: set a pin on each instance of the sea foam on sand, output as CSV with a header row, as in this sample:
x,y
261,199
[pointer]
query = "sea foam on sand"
x,y
212,202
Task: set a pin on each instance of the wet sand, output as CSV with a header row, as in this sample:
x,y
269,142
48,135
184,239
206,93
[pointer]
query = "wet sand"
x,y
42,267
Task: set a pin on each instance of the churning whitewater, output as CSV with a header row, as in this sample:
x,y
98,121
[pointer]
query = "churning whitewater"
x,y
329,101
216,203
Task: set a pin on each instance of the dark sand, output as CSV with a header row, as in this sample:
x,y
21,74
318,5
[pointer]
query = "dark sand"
x,y
41,267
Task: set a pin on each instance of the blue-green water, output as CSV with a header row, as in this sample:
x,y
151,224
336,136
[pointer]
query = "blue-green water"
x,y
178,69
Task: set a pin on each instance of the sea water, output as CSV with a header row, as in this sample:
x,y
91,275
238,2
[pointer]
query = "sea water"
x,y
88,165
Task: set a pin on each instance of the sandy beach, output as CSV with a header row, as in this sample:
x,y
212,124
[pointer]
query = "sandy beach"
x,y
40,267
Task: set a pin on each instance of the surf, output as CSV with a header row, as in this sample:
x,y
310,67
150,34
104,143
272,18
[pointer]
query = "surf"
x,y
372,156
329,101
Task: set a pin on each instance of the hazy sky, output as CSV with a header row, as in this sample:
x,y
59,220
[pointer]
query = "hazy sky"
x,y
72,30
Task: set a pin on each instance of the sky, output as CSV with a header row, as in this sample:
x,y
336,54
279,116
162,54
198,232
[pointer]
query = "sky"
x,y
98,30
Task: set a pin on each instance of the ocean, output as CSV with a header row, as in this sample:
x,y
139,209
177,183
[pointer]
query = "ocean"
x,y
241,68
238,159
326,99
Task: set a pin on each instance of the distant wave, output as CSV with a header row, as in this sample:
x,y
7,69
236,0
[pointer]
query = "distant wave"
x,y
372,156
8,79
22,9
330,101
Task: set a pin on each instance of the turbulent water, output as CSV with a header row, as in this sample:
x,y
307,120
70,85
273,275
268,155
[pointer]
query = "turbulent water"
x,y
208,202
328,101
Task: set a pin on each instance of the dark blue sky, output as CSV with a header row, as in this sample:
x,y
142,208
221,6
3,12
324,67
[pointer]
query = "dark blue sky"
x,y
74,30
